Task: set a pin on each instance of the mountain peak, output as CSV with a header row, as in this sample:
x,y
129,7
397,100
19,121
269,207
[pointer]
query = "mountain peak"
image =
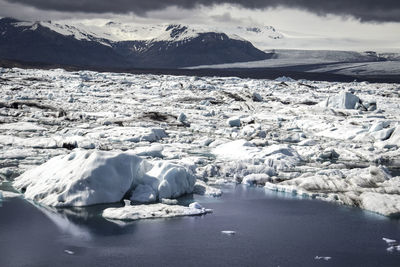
x,y
176,30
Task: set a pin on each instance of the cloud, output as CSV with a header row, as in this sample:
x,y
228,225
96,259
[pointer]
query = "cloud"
x,y
226,18
365,10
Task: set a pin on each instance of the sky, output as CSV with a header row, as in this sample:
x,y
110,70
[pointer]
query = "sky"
x,y
307,24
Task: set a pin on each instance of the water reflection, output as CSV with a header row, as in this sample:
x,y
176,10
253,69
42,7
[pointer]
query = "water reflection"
x,y
84,222
64,224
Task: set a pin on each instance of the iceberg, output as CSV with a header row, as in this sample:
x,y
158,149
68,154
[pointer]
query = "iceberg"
x,y
84,178
344,100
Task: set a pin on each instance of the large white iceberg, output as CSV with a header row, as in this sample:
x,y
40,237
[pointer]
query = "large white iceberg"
x,y
91,177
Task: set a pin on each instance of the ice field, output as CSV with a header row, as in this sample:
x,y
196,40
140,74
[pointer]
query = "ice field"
x,y
84,138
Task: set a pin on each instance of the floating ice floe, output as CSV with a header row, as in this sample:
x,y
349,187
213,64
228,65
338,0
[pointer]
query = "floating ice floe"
x,y
393,248
392,244
228,232
153,211
389,242
91,177
69,252
8,194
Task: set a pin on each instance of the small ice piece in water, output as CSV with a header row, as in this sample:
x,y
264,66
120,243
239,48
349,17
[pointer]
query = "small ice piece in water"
x,y
390,242
322,258
228,232
393,248
70,252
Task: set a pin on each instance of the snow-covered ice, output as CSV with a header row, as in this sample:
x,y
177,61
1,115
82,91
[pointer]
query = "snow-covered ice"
x,y
328,140
152,211
69,252
228,232
87,177
8,194
389,242
344,100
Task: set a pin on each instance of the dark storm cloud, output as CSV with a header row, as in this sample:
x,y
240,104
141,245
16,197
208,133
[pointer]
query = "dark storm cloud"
x,y
365,10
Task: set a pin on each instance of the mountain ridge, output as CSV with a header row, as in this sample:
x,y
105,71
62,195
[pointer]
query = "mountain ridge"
x,y
178,46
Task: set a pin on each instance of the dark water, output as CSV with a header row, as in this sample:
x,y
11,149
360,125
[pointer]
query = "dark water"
x,y
272,230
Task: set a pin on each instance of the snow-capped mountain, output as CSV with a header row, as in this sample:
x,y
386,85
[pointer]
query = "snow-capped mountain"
x,y
123,45
117,31
34,42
